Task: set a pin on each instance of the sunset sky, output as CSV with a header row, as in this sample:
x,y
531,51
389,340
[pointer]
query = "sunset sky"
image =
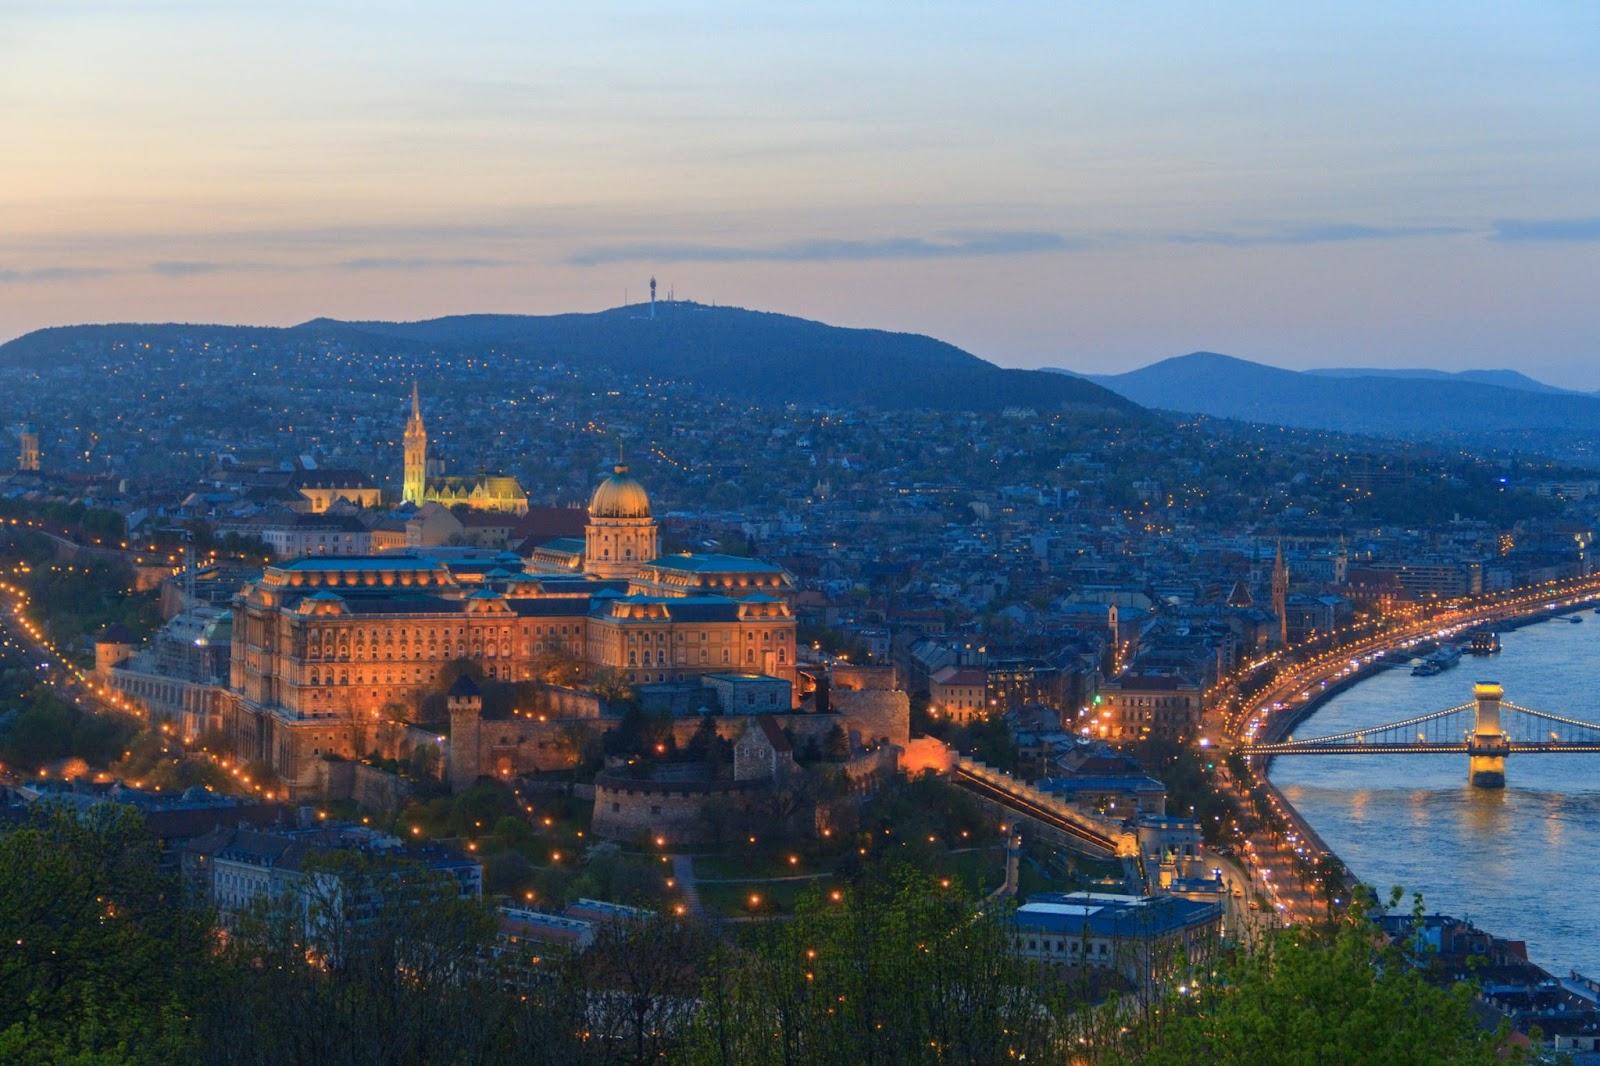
x,y
1093,186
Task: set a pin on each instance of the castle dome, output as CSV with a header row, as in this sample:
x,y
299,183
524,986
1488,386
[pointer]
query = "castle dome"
x,y
619,496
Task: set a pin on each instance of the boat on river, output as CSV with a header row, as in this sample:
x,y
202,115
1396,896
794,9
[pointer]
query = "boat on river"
x,y
1484,642
1446,657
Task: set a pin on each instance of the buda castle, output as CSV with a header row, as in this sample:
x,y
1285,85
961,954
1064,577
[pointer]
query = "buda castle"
x,y
333,656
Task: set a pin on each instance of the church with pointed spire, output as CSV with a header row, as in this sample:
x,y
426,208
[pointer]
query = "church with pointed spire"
x,y
1280,594
421,484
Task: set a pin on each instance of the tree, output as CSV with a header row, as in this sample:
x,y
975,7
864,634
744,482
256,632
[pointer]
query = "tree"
x,y
611,685
837,745
1343,997
102,960
366,959
645,974
897,970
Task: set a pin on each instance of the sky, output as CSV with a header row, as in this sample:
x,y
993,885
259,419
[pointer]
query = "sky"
x,y
1093,186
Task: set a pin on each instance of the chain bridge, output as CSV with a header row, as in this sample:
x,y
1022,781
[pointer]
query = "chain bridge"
x,y
1486,730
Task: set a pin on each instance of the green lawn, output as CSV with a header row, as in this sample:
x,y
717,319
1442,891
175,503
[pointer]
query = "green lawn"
x,y
734,900
979,871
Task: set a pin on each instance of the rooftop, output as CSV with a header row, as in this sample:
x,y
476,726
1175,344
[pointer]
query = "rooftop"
x,y
341,563
712,563
1110,915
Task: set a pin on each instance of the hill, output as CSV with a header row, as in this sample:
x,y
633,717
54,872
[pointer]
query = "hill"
x,y
741,354
1508,379
1387,405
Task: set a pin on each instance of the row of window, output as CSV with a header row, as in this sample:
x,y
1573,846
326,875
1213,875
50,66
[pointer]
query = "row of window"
x,y
659,636
1067,947
438,653
429,634
1156,701
727,656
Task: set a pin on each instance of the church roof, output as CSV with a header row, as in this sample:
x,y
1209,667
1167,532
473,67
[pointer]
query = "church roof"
x,y
464,486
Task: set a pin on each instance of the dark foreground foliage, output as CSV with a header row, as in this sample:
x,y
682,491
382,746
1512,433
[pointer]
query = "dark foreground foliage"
x,y
102,961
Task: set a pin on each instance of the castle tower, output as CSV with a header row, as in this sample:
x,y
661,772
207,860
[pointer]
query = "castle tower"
x,y
112,648
466,716
621,535
1280,594
415,480
28,455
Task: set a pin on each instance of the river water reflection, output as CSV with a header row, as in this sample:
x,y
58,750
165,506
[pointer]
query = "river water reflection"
x,y
1523,863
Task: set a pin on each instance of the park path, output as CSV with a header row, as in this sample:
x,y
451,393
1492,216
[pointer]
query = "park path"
x,y
683,872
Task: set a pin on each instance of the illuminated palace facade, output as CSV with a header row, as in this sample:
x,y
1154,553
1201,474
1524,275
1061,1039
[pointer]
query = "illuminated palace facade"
x,y
332,655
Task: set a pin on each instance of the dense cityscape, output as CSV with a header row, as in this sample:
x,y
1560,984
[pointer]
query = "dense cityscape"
x,y
617,535
689,661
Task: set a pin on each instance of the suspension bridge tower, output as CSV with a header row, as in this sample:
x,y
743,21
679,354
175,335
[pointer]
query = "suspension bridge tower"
x,y
1489,745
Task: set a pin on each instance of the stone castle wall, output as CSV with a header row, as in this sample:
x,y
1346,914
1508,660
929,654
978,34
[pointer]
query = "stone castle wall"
x,y
681,813
874,714
369,787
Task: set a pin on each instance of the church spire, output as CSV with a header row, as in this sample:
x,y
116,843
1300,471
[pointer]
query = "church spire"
x,y
414,479
1280,593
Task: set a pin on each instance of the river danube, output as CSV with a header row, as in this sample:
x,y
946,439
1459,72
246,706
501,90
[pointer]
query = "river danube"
x,y
1522,863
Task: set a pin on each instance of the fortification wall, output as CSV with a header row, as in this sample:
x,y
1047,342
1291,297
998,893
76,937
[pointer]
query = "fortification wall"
x,y
875,713
678,813
368,786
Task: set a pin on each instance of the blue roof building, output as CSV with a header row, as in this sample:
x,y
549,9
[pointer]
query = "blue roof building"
x,y
1146,939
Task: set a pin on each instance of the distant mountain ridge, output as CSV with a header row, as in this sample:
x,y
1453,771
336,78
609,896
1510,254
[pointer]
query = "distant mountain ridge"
x,y
1506,379
750,355
1475,404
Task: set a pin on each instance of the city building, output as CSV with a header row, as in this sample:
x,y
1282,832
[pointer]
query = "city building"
x,y
1146,939
421,484
1143,706
959,693
330,652
322,489
181,676
240,869
28,448
1117,795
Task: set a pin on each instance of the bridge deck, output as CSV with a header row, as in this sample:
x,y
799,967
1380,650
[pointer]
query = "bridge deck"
x,y
1489,726
1552,748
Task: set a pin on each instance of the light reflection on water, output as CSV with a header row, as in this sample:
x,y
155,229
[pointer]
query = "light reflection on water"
x,y
1522,862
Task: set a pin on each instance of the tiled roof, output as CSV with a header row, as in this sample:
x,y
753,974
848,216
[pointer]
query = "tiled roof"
x,y
331,479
